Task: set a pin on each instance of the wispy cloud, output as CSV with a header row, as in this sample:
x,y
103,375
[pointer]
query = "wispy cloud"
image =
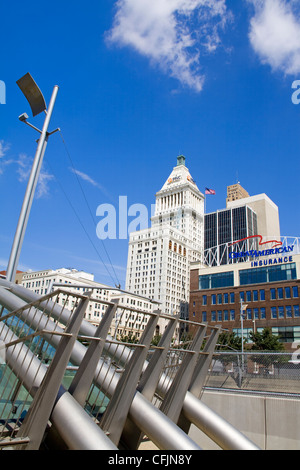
x,y
4,148
24,164
90,180
86,177
275,34
171,33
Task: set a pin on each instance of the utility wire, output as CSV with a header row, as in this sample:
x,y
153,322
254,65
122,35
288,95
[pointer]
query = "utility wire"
x,y
90,211
82,225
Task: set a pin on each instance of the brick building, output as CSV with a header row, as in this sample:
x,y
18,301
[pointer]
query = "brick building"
x,y
267,291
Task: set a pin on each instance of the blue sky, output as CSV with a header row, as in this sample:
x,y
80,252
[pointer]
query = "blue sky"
x,y
140,82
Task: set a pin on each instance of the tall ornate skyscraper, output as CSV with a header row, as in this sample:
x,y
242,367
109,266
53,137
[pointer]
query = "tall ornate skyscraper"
x,y
159,257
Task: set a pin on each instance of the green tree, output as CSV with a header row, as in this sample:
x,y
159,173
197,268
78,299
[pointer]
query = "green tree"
x,y
265,341
228,341
155,340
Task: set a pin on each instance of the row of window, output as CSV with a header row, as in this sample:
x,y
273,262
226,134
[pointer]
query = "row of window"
x,y
286,334
277,313
251,296
281,272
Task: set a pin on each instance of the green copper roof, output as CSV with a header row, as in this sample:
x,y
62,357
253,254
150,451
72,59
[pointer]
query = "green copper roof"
x,y
181,160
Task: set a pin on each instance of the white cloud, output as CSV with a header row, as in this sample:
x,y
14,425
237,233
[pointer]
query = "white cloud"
x,y
3,148
85,177
171,33
90,180
3,151
23,170
275,34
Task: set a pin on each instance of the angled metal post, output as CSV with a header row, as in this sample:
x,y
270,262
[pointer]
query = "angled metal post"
x,y
150,377
173,401
200,374
81,383
201,370
115,416
147,385
29,194
36,420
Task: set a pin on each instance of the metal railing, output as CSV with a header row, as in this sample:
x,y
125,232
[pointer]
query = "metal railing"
x,y
267,372
108,399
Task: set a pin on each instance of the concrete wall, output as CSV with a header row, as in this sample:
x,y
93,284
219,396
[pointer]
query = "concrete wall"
x,y
272,423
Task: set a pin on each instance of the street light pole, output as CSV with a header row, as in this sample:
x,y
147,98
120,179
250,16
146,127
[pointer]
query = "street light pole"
x,y
30,190
243,308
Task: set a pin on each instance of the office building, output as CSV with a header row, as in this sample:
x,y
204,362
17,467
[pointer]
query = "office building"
x,y
159,257
242,220
235,192
224,227
267,213
266,288
129,319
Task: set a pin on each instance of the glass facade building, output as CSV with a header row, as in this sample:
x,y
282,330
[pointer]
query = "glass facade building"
x,y
226,226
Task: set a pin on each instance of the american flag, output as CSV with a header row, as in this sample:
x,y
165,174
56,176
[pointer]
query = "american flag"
x,y
210,191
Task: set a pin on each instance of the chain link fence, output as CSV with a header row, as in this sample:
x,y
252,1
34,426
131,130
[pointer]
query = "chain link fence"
x,y
256,371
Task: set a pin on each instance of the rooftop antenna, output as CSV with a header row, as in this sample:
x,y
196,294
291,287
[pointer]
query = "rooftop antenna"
x,y
37,104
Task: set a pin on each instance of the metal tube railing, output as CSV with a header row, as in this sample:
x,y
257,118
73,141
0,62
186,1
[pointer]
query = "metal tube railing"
x,y
138,401
150,413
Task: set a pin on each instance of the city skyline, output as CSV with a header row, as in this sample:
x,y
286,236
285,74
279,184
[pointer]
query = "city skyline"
x,y
127,109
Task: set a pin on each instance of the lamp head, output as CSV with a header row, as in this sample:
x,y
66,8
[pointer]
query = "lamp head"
x,y
23,117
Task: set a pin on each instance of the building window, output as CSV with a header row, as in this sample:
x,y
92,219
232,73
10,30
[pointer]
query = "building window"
x,y
248,296
262,295
273,294
232,315
204,300
232,297
255,314
246,333
213,315
274,313
213,299
280,293
225,300
296,311
220,315
287,291
255,296
295,292
281,272
288,311
219,299
249,314
281,312
287,334
213,281
204,316
262,313
226,317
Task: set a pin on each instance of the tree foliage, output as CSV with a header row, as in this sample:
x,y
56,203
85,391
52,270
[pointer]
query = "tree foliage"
x,y
265,341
